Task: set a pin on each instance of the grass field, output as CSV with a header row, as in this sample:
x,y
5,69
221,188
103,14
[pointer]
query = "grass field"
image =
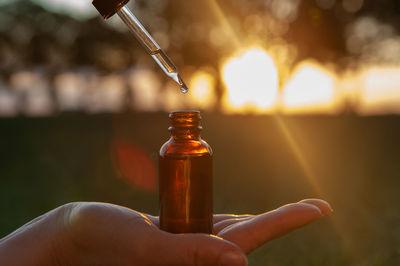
x,y
261,162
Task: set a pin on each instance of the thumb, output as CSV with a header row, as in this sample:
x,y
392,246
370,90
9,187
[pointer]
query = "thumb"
x,y
197,249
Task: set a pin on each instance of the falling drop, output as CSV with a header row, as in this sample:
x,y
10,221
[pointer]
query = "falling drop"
x,y
184,88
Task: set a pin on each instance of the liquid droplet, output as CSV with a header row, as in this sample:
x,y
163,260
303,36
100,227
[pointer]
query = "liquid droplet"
x,y
184,88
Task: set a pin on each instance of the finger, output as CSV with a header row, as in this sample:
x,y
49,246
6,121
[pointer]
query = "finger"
x,y
194,249
324,206
253,233
228,222
220,217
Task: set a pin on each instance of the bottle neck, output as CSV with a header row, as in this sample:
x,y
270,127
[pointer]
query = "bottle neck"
x,y
184,134
185,125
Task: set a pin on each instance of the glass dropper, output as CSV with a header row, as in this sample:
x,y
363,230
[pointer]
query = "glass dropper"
x,y
108,8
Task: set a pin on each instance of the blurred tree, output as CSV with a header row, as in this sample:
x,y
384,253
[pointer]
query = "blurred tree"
x,y
193,33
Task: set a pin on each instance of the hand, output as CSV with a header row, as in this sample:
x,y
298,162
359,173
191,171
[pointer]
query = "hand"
x,y
106,234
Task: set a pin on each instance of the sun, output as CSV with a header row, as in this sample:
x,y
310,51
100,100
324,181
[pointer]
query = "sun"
x,y
251,81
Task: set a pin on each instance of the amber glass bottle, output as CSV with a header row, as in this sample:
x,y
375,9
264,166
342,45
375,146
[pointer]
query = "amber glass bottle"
x,y
185,177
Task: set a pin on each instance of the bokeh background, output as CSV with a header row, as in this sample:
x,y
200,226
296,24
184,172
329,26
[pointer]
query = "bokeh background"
x,y
299,98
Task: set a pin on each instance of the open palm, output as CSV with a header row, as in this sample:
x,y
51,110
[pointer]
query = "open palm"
x,y
251,231
105,234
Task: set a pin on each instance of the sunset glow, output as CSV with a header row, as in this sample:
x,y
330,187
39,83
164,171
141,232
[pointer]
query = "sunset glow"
x,y
251,80
250,84
380,90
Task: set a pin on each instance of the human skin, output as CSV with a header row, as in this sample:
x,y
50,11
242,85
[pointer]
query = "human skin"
x,y
105,234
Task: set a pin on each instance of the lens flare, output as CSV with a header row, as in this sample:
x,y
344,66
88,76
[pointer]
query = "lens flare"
x,y
310,89
133,165
251,80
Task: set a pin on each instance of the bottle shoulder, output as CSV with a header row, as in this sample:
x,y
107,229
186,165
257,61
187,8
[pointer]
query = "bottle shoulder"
x,y
193,147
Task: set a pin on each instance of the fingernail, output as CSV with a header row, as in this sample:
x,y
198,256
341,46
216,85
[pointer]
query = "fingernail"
x,y
323,205
231,258
328,210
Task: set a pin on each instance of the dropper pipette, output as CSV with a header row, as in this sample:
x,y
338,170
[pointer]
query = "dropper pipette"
x,y
108,8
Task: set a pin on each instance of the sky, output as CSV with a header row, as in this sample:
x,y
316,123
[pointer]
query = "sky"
x,y
76,8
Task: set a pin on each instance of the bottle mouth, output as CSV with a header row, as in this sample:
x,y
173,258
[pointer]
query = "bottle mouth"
x,y
185,113
185,119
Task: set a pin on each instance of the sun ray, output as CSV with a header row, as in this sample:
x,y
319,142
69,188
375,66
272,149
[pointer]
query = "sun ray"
x,y
224,23
338,225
